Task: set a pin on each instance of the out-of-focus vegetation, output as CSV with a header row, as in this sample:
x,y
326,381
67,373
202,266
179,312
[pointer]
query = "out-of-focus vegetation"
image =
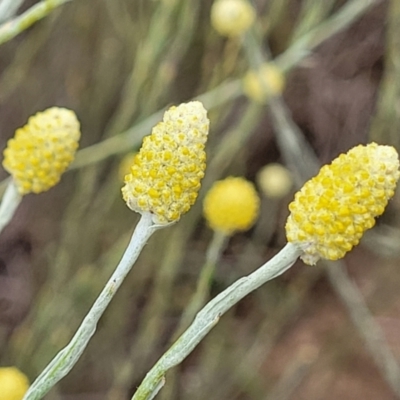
x,y
118,64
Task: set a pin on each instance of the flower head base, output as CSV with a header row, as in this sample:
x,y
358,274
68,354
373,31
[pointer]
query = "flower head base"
x,y
332,211
231,205
42,150
166,173
268,81
232,17
13,384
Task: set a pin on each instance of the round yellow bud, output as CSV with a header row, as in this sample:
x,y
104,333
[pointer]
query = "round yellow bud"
x,y
275,180
13,384
266,82
231,205
232,17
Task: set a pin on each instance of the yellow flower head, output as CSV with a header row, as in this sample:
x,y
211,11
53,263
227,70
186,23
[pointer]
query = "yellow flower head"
x,y
166,173
332,211
13,384
42,150
232,17
231,205
275,180
268,81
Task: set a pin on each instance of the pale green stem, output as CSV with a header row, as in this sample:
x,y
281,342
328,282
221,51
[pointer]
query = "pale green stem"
x,y
64,361
9,204
12,28
213,254
209,316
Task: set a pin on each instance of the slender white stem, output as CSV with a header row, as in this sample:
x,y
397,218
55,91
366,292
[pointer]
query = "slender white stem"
x,y
9,204
64,361
209,316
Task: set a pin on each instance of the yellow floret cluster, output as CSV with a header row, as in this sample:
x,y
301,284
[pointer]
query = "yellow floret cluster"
x,y
42,150
332,210
260,85
13,384
232,17
166,173
231,205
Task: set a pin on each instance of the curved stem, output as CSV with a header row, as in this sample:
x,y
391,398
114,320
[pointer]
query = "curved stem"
x,y
209,316
64,361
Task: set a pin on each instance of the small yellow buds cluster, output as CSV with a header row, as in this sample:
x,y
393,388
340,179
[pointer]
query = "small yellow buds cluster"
x,y
232,17
42,150
13,384
166,173
231,205
332,211
274,180
268,81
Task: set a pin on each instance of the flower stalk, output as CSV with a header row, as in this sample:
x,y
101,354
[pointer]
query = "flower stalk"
x,y
209,316
64,361
9,204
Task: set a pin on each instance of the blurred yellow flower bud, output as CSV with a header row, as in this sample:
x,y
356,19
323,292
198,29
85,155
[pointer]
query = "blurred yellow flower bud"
x,y
13,384
42,150
268,81
332,211
232,17
274,180
231,205
166,173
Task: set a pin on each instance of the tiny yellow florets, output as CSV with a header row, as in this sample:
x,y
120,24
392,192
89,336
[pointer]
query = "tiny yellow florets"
x,y
13,384
166,173
232,17
231,205
332,211
42,150
275,180
268,81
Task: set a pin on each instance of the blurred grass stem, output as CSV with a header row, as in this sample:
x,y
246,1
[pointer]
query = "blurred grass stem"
x,y
10,29
64,361
209,316
338,22
214,251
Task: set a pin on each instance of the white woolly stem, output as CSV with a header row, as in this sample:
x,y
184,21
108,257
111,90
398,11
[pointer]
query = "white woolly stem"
x,y
9,204
209,316
64,361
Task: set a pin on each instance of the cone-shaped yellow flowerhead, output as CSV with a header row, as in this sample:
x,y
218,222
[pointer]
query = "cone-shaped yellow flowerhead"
x,y
166,173
332,210
232,17
42,150
13,384
268,81
231,205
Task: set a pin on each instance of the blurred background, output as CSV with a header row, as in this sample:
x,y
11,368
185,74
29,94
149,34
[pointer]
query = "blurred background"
x,y
324,332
